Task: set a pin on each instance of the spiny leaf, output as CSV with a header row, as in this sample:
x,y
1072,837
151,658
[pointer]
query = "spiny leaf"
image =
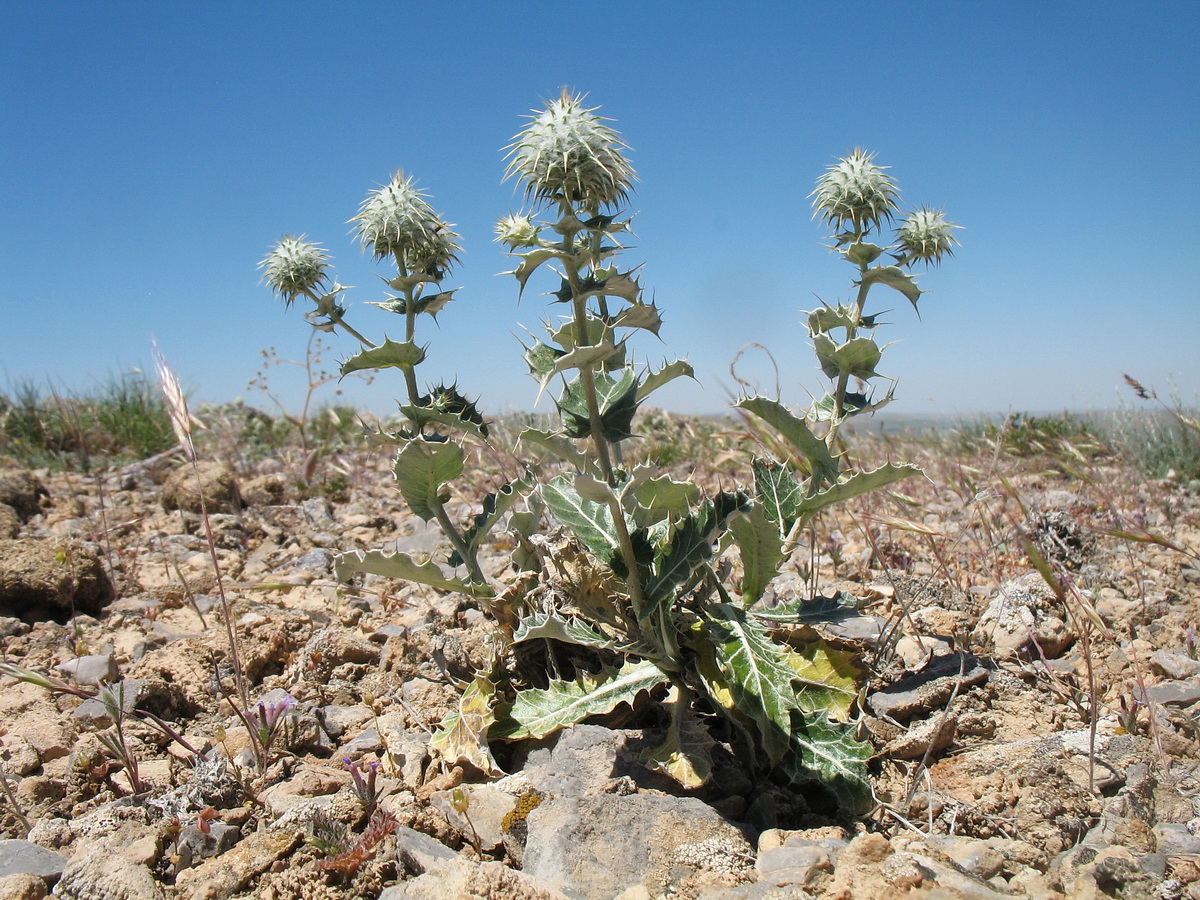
x,y
591,522
495,505
639,315
761,548
611,283
795,432
584,357
535,713
828,753
463,734
616,396
421,469
856,484
817,611
678,369
529,264
405,568
575,630
674,563
665,496
563,448
827,318
777,492
894,277
388,354
862,253
856,358
595,332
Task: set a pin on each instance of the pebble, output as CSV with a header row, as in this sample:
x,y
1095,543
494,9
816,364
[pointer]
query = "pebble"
x,y
17,856
928,689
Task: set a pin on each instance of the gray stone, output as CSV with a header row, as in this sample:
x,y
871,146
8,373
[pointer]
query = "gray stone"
x,y
1174,693
337,720
417,852
583,760
594,847
794,863
855,629
318,562
458,878
94,669
929,689
381,634
1174,665
96,873
484,817
1176,840
1022,613
25,856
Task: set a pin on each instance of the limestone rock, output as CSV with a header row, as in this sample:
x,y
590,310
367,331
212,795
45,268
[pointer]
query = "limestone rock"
x,y
216,482
594,847
52,579
94,873
10,522
22,490
1022,613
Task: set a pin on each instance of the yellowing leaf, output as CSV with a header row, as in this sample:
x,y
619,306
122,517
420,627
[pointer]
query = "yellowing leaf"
x,y
828,679
462,736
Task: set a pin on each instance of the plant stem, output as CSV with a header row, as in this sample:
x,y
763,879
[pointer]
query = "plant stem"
x,y
457,542
839,391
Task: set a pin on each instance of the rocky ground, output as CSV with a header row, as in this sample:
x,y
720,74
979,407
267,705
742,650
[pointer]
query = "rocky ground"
x,y
1030,743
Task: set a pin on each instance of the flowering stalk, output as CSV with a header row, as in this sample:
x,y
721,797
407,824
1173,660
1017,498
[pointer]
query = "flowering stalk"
x,y
856,198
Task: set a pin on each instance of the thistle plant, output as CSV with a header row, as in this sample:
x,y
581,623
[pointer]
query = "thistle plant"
x,y
637,569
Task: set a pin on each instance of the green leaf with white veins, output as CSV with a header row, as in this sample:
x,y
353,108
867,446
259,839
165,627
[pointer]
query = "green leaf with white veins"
x,y
778,493
562,447
535,713
422,468
761,549
796,433
856,485
754,672
388,354
589,521
403,567
828,753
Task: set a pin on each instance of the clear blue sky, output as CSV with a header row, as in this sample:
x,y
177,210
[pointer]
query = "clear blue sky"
x,y
151,153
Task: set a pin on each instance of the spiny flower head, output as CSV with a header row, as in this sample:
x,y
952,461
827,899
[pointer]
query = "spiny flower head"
x,y
517,231
396,220
925,236
567,152
855,192
293,267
